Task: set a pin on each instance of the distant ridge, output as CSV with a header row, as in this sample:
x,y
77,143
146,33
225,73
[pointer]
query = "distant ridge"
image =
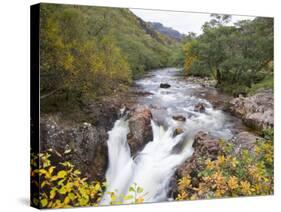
x,y
168,31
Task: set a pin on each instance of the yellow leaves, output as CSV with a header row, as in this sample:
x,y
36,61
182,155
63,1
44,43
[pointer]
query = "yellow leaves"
x,y
233,182
53,193
43,202
64,188
66,200
220,160
182,195
61,174
51,169
184,182
245,187
189,57
245,173
71,196
234,162
209,164
139,200
68,63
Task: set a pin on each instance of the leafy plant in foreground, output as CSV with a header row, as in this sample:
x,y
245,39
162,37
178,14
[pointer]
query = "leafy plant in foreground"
x,y
246,174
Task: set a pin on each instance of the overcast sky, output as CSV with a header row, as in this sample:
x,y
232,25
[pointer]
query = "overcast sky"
x,y
183,22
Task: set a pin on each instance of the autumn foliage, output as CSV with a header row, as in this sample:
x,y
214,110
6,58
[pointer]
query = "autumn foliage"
x,y
248,173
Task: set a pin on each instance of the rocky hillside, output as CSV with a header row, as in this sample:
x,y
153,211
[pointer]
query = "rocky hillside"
x,y
168,31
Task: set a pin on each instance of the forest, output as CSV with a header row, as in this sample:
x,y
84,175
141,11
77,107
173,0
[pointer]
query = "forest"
x,y
88,52
239,57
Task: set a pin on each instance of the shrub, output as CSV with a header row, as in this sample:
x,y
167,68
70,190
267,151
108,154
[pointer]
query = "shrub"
x,y
64,186
244,174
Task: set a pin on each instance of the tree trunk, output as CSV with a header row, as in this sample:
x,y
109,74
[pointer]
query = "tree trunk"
x,y
218,74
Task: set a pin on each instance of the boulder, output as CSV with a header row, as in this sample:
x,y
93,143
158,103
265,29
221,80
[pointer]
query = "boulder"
x,y
140,129
83,145
179,118
244,140
165,85
205,146
178,131
256,111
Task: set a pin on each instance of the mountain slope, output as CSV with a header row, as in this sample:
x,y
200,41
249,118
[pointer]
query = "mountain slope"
x,y
168,31
88,51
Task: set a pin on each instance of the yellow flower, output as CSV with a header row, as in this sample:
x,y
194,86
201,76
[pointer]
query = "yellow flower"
x,y
245,187
220,160
219,178
184,182
209,164
234,162
182,196
233,182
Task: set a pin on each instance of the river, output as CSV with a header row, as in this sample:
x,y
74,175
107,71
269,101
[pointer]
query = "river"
x,y
154,166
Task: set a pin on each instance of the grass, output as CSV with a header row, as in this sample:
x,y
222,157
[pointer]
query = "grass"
x,y
266,83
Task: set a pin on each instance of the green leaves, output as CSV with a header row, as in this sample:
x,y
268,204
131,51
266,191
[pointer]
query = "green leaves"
x,y
86,53
239,57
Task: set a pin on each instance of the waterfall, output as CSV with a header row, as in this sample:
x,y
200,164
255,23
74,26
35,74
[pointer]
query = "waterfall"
x,y
151,169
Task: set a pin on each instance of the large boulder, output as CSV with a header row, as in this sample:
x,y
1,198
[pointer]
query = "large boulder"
x,y
83,145
140,129
256,111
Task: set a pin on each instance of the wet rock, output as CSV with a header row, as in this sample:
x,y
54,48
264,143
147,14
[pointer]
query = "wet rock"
x,y
200,107
140,129
256,111
178,131
165,85
143,93
84,145
179,118
205,146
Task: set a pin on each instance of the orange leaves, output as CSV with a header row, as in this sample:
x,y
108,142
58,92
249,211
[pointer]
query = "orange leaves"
x,y
228,175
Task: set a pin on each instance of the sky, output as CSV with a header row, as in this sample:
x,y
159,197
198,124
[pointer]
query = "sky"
x,y
183,22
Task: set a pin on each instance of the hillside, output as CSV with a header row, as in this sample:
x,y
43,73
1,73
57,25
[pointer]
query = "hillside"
x,y
88,51
168,31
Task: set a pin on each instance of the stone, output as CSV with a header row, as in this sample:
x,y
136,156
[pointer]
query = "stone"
x,y
256,111
140,129
165,85
179,118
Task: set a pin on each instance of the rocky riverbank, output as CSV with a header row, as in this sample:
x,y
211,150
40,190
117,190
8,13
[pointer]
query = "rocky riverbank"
x,y
84,144
256,111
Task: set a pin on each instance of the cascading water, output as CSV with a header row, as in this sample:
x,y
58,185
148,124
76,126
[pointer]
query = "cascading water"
x,y
151,169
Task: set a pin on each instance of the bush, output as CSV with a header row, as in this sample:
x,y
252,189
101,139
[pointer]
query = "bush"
x,y
63,186
245,174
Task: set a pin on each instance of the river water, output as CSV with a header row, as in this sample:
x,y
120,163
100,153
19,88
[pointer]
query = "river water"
x,y
154,166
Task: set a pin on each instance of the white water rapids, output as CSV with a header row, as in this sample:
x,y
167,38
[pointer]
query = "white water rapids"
x,y
153,167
